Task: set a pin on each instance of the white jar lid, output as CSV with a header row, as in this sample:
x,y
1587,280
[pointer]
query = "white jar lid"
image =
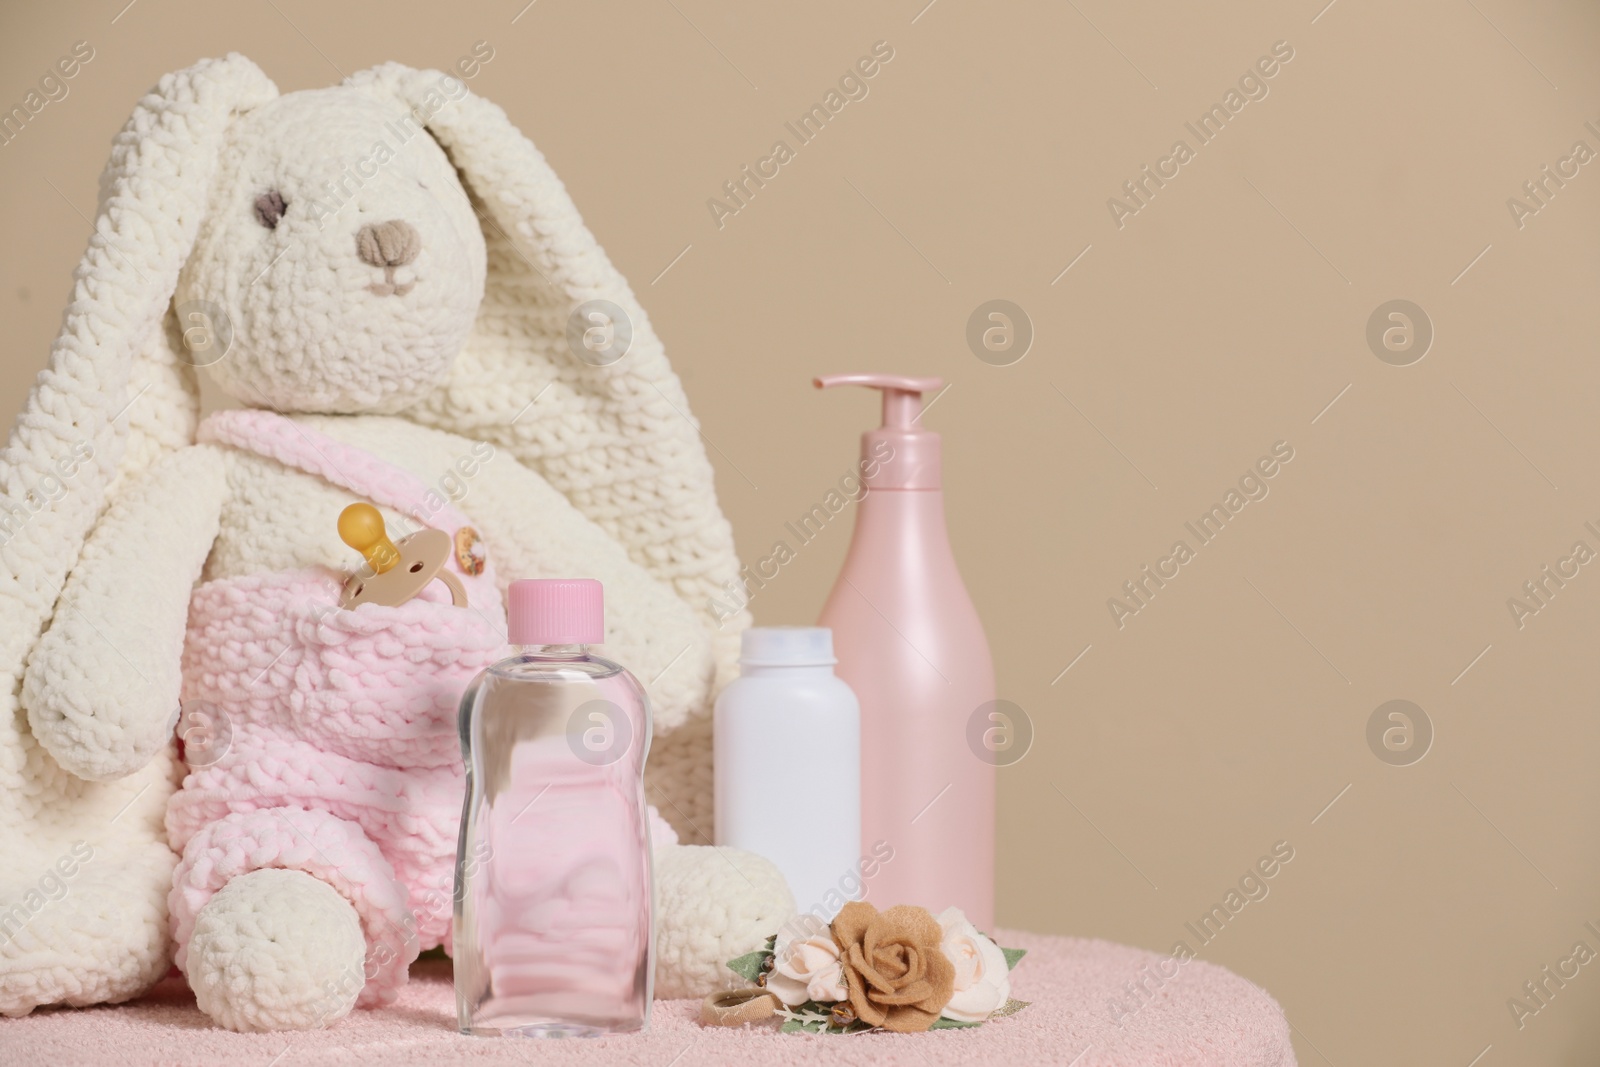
x,y
787,646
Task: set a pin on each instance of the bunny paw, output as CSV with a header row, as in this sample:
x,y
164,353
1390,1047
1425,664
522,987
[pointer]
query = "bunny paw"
x,y
277,950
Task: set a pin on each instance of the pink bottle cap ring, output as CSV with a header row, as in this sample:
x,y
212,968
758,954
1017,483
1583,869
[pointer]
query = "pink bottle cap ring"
x,y
557,611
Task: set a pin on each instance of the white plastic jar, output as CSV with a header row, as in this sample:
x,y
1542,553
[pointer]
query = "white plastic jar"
x,y
787,749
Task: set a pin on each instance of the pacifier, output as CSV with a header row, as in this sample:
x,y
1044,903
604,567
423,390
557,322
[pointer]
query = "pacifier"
x,y
396,571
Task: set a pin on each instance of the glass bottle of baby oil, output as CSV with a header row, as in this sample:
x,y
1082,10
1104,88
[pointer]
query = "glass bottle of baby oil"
x,y
553,934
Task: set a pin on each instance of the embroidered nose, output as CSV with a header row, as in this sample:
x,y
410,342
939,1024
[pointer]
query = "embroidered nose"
x,y
388,244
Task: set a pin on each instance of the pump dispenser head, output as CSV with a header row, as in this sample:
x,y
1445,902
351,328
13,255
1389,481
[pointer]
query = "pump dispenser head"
x,y
899,454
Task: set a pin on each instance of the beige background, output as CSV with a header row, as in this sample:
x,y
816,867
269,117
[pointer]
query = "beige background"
x,y
1224,317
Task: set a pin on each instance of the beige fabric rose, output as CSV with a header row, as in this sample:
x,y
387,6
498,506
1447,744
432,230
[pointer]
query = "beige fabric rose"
x,y
897,975
982,978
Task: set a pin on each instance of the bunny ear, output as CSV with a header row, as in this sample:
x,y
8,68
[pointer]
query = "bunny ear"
x,y
115,393
606,423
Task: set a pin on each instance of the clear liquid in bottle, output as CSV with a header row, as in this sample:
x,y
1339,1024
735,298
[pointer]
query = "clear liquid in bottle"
x,y
553,934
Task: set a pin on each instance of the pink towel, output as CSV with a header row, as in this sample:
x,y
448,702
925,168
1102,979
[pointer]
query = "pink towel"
x,y
1204,1017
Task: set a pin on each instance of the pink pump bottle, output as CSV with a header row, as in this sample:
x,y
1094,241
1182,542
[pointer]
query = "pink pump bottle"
x,y
910,644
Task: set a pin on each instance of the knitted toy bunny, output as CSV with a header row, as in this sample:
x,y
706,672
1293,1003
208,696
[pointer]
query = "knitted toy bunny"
x,y
385,271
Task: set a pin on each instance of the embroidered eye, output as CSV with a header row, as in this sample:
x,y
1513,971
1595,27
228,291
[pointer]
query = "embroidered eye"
x,y
270,207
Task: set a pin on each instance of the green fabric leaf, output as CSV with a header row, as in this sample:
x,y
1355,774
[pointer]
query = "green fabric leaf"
x,y
749,965
951,1024
815,1019
795,1026
1014,957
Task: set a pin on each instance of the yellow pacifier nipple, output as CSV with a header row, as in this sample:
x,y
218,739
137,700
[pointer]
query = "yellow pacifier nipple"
x,y
361,527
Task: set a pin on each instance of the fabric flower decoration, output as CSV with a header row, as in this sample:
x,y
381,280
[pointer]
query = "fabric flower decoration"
x,y
982,975
896,973
805,964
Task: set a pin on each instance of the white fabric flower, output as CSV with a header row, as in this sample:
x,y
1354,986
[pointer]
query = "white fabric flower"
x,y
983,981
805,964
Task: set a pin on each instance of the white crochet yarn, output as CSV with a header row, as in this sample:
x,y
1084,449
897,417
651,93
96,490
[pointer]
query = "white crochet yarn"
x,y
309,333
723,903
598,470
277,950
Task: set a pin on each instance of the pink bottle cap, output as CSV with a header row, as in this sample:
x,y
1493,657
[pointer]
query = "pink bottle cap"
x,y
557,611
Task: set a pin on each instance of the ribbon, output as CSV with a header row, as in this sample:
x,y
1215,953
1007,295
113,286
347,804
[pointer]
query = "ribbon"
x,y
736,1007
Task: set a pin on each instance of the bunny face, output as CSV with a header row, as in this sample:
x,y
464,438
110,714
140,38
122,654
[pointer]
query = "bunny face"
x,y
343,251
